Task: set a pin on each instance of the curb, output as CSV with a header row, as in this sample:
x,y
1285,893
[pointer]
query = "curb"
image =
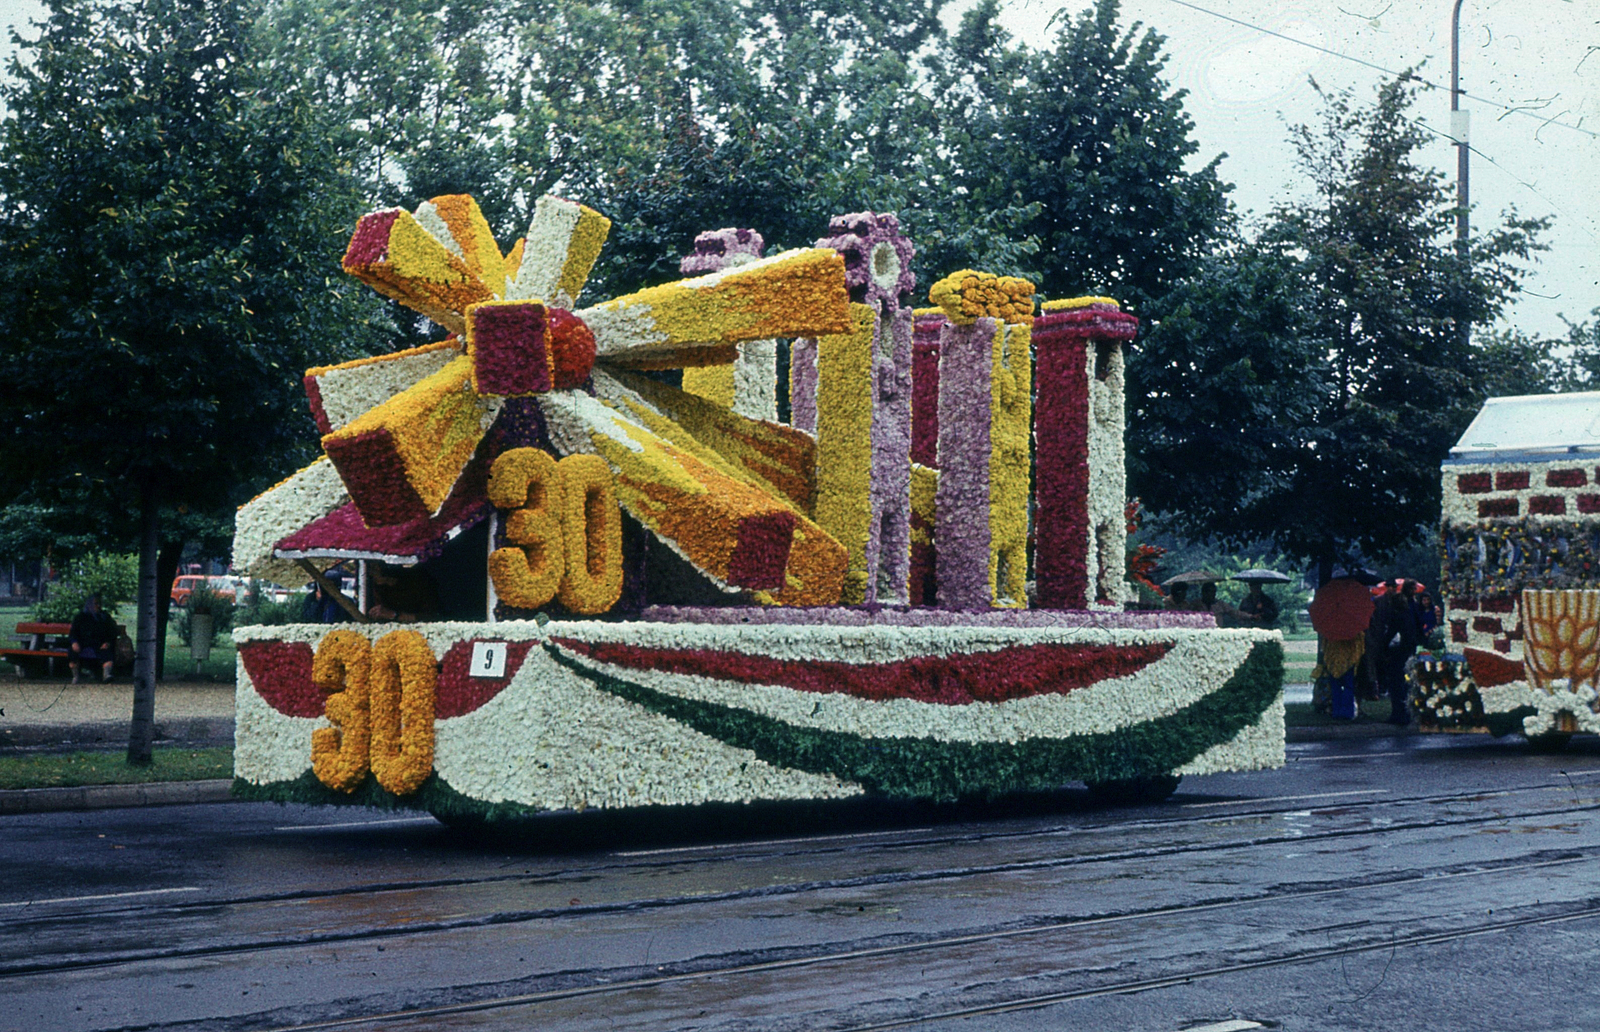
x,y
105,797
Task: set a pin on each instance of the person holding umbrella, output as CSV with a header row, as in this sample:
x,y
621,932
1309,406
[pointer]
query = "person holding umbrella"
x,y
1340,613
1258,609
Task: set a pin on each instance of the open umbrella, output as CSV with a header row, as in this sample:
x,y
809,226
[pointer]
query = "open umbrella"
x,y
1193,577
1261,576
1342,609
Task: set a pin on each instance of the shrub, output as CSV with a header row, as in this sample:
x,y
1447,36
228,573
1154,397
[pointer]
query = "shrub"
x,y
112,576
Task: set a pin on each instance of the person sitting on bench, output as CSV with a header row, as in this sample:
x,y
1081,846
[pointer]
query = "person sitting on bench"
x,y
93,637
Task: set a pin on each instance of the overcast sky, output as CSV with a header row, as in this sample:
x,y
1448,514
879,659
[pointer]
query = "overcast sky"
x,y
1542,56
1539,57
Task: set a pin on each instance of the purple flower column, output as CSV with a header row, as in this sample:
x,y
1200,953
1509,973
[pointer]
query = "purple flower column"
x,y
803,384
877,260
961,529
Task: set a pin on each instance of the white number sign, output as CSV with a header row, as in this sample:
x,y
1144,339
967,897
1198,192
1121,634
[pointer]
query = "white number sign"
x,y
488,659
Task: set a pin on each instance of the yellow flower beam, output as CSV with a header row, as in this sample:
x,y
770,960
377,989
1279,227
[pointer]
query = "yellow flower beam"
x,y
737,519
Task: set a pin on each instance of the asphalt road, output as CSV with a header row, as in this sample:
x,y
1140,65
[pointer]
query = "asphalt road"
x,y
1446,882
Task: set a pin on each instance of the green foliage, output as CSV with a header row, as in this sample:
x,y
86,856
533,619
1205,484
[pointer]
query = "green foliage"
x,y
257,609
1084,145
1327,363
168,231
113,577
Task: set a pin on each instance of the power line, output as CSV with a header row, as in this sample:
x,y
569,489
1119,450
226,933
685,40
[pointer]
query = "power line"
x,y
1508,108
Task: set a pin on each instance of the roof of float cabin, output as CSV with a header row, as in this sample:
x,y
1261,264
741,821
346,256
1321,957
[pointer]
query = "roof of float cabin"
x,y
1530,427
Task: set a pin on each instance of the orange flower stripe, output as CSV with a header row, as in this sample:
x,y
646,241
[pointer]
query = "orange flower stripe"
x,y
340,666
777,458
816,567
403,682
470,232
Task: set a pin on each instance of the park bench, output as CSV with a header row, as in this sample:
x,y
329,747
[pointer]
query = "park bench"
x,y
40,641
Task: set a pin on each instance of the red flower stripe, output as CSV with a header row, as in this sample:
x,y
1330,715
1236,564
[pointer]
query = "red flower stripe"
x,y
375,475
1513,480
1474,483
281,673
1061,457
1017,672
1566,478
925,391
314,395
458,692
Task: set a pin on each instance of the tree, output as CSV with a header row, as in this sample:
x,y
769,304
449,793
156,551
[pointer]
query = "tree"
x,y
167,235
1373,375
1086,145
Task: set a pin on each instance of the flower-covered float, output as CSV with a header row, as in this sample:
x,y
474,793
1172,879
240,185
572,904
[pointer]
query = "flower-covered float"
x,y
617,580
1520,567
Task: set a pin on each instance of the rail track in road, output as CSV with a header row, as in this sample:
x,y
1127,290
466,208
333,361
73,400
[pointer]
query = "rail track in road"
x,y
36,927
1055,868
621,988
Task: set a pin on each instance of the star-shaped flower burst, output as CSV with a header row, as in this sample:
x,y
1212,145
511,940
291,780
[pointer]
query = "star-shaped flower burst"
x,y
730,494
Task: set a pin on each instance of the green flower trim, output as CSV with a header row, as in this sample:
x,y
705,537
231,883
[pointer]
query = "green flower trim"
x,y
435,797
1502,724
928,768
920,768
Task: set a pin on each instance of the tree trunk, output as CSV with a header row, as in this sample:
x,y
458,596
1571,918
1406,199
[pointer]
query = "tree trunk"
x,y
142,731
166,573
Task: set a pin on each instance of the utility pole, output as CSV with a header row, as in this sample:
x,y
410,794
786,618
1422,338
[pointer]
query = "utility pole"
x,y
1460,124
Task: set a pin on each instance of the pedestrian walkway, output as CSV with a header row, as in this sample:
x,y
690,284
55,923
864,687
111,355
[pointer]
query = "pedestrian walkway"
x,y
58,714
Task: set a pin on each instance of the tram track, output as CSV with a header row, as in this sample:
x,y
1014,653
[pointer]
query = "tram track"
x,y
622,987
805,845
162,914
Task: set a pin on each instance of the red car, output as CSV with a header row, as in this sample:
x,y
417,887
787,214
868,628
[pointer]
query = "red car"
x,y
184,586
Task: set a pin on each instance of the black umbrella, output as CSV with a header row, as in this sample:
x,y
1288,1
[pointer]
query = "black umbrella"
x,y
1193,577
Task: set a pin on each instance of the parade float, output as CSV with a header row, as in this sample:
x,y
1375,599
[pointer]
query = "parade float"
x,y
593,568
1520,573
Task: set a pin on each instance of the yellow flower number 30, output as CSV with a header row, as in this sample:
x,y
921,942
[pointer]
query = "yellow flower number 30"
x,y
563,531
381,707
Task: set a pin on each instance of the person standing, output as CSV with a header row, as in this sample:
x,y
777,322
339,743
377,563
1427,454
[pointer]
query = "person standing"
x,y
92,638
1399,635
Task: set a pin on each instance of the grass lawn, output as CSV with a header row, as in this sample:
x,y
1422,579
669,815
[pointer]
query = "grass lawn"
x,y
70,770
219,667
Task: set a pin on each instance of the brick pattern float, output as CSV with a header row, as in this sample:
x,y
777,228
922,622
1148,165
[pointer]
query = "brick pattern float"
x,y
1553,492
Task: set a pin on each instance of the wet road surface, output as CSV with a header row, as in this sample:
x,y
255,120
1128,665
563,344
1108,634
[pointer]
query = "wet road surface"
x,y
1448,882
